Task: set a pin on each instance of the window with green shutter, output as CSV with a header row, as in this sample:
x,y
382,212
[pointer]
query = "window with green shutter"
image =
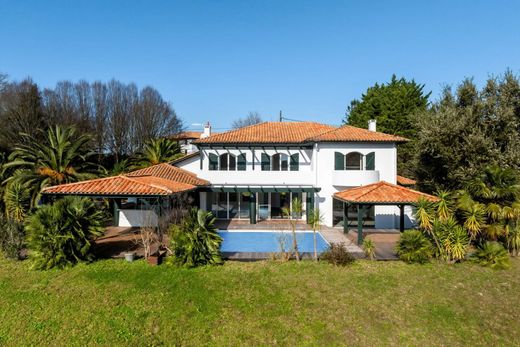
x,y
266,162
339,161
241,162
295,162
370,161
213,162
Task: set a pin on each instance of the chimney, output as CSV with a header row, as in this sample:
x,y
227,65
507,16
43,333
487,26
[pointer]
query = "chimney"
x,y
207,131
372,125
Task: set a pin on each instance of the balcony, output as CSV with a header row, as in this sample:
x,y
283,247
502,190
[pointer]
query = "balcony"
x,y
259,177
354,178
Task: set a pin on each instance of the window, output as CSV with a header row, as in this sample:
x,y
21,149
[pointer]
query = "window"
x,y
228,162
353,161
339,161
280,162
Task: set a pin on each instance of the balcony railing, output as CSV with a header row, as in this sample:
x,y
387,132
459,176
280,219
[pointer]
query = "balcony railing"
x,y
354,178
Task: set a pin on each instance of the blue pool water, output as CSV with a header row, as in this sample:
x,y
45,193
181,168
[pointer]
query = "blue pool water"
x,y
269,241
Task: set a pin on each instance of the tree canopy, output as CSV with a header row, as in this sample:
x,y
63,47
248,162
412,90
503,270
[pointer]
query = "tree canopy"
x,y
251,119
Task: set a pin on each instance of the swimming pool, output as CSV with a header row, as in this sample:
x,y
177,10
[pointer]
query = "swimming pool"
x,y
270,241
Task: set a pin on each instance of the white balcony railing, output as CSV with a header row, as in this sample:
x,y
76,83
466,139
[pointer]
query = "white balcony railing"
x,y
354,178
259,177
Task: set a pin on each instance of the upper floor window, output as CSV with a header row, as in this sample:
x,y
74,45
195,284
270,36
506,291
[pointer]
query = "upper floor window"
x,y
354,161
280,162
227,162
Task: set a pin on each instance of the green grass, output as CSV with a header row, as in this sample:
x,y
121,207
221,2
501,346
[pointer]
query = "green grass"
x,y
263,303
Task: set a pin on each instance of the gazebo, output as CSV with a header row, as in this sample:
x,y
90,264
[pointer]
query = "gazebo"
x,y
380,193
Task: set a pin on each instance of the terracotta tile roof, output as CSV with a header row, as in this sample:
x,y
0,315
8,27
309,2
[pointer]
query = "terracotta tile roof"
x,y
160,179
270,132
121,185
297,132
170,172
186,135
382,192
185,157
347,133
405,181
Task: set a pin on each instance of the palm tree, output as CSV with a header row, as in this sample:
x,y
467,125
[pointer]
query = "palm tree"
x,y
61,158
315,220
158,151
295,209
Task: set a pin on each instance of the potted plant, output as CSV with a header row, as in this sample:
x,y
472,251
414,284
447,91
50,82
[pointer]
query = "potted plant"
x,y
130,256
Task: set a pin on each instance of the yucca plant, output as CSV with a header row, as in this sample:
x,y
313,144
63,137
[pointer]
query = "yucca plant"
x,y
315,220
17,201
513,239
443,207
414,247
424,214
196,241
369,247
453,240
492,254
62,234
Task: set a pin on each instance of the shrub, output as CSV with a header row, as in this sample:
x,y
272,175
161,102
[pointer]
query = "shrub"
x,y
61,234
338,255
493,255
12,237
370,248
196,241
414,247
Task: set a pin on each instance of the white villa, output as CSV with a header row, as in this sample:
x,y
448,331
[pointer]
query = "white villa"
x,y
251,174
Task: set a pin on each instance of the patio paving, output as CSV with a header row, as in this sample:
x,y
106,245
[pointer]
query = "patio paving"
x,y
384,239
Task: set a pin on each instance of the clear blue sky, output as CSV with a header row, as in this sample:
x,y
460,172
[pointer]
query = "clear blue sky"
x,y
218,60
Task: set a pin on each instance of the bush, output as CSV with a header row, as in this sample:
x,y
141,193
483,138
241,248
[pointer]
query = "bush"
x,y
196,241
12,237
414,247
370,248
61,234
338,255
493,255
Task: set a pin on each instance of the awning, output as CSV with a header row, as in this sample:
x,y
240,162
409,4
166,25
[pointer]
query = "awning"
x,y
261,189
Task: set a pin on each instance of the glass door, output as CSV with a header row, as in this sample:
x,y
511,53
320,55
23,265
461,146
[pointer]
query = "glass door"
x,y
264,208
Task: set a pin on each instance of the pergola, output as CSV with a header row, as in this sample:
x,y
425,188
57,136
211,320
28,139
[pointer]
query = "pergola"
x,y
380,193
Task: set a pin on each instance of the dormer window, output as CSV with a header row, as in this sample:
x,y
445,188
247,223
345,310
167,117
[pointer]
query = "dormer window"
x,y
354,161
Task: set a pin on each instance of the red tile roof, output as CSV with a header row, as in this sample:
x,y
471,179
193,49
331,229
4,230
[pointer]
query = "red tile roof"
x,y
384,193
186,135
349,133
270,132
297,132
170,172
161,179
405,181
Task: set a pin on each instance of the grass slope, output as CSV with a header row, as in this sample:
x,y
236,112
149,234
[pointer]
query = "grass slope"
x,y
369,303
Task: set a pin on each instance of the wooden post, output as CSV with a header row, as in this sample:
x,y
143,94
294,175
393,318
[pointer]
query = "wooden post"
x,y
345,218
401,218
310,205
360,213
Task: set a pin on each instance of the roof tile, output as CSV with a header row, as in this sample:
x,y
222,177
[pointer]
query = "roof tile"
x,y
384,193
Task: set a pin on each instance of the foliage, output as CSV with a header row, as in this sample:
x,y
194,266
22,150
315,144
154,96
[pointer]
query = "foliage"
x,y
61,158
369,247
196,241
158,151
392,104
61,234
12,237
452,240
315,220
493,255
292,212
513,239
414,247
338,255
17,201
251,119
467,130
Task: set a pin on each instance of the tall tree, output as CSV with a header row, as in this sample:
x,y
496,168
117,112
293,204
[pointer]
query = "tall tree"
x,y
158,151
468,130
392,104
251,119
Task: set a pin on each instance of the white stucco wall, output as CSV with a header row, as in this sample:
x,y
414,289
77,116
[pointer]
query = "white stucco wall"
x,y
137,218
316,169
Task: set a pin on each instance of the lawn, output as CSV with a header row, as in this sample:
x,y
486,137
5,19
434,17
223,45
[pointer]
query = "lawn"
x,y
263,303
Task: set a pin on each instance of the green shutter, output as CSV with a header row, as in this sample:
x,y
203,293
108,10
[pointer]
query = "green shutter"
x,y
213,161
295,162
241,163
370,163
339,161
266,162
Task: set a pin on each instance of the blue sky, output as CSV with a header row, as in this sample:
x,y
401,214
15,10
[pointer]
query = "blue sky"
x,y
218,60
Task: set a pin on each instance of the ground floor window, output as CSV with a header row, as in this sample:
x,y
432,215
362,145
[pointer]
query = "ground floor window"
x,y
337,215
228,205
